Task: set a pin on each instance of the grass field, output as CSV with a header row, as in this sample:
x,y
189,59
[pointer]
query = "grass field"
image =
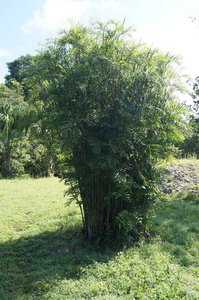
x,y
43,254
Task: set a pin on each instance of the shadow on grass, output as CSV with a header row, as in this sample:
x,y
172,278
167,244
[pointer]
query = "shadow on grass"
x,y
31,266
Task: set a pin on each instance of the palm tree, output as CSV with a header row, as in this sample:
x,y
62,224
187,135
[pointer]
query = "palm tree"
x,y
14,119
112,104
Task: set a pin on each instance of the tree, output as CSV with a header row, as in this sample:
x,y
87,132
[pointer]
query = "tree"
x,y
46,137
18,71
190,145
14,119
113,105
195,94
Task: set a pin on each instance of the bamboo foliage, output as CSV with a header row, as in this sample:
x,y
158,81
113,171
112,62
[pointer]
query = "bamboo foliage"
x,y
112,103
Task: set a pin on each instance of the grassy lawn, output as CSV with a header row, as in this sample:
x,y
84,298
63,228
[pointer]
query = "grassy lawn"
x,y
43,254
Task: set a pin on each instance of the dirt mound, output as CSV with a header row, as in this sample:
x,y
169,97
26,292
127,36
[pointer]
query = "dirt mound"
x,y
182,178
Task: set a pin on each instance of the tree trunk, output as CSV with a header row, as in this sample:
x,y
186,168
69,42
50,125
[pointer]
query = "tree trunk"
x,y
49,163
99,209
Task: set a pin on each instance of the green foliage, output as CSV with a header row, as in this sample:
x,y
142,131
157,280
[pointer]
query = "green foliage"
x,y
34,165
45,138
112,104
130,224
190,145
12,96
26,144
14,115
196,90
19,71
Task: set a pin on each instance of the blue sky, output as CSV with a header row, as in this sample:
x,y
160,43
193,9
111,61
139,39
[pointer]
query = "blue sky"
x,y
165,24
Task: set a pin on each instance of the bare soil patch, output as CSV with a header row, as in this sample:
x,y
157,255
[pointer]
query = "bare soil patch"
x,y
182,178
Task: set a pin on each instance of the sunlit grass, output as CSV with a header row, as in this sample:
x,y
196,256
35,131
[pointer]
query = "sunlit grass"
x,y
191,160
43,254
29,206
172,161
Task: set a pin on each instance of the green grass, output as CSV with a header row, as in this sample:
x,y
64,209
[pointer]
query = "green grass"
x,y
184,161
43,254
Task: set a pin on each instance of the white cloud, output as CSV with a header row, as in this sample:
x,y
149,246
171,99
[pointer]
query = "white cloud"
x,y
55,15
5,53
106,4
178,37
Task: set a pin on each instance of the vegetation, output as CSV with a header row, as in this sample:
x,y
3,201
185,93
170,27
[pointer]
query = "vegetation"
x,y
14,114
101,112
190,145
99,90
19,70
44,254
27,146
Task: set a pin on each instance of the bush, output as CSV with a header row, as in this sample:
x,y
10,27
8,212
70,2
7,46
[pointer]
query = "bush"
x,y
113,106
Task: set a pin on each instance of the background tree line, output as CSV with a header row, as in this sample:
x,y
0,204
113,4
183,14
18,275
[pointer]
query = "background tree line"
x,y
190,144
100,111
27,146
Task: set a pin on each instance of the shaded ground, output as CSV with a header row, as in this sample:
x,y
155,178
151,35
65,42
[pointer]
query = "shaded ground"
x,y
182,178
